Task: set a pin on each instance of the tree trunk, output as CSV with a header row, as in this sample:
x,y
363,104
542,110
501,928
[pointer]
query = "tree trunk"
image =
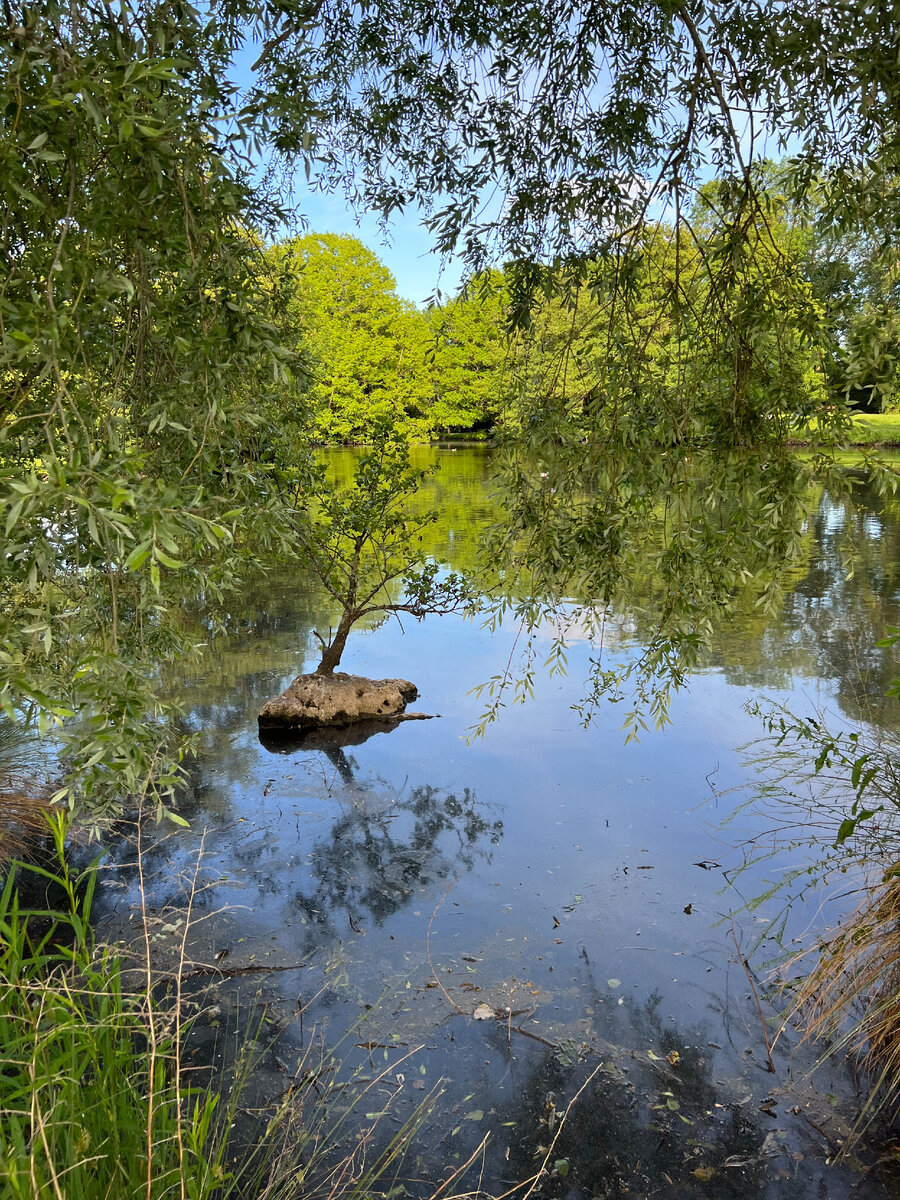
x,y
331,655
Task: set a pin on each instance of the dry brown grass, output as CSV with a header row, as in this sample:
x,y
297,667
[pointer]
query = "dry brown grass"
x,y
851,996
24,808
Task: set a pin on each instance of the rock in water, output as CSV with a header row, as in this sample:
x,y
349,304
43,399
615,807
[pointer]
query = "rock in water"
x,y
313,701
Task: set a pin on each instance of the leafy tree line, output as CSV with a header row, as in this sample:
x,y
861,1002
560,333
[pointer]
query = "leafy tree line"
x,y
372,356
795,320
161,369
554,134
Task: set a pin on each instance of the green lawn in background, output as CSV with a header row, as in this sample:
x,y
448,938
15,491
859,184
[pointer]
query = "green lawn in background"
x,y
869,429
876,429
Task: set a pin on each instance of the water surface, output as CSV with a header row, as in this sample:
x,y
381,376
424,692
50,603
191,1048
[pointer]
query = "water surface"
x,y
575,886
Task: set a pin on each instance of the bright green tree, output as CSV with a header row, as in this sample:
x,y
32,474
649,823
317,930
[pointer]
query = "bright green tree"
x,y
853,271
366,346
468,358
363,540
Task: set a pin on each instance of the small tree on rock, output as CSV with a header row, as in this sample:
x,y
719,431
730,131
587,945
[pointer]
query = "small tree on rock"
x,y
363,540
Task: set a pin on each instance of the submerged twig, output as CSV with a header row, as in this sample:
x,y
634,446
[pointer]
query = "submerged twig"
x,y
762,1019
231,972
534,1036
456,1008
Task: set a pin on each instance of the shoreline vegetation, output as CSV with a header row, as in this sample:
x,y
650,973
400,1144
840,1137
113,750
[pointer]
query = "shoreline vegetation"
x,y
124,1078
876,430
171,360
873,430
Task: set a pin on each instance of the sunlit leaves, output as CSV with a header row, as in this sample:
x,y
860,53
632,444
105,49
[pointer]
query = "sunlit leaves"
x,y
363,537
366,348
138,366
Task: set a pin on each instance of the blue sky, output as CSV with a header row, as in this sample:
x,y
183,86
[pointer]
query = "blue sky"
x,y
407,252
404,248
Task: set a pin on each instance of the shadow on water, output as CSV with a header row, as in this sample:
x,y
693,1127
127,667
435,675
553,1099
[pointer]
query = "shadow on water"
x,y
331,739
643,1127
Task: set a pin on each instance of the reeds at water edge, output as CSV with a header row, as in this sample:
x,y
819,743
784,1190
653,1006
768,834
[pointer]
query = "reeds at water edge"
x,y
24,811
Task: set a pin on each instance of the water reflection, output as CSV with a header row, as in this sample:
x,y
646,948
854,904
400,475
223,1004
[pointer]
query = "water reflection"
x,y
836,609
753,567
324,857
373,861
768,564
538,869
331,739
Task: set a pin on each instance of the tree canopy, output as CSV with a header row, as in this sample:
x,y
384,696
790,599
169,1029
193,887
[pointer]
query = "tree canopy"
x,y
365,346
139,367
156,361
555,136
581,117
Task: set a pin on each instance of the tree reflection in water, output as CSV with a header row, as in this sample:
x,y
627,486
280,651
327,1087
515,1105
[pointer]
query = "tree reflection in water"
x,y
311,880
376,856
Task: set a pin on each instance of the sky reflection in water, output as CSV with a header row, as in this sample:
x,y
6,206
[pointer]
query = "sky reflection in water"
x,y
549,871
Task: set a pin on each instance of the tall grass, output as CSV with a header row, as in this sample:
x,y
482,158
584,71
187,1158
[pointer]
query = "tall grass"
x,y
851,995
835,794
23,818
88,1102
95,1099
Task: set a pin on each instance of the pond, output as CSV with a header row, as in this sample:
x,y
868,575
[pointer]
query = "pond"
x,y
490,936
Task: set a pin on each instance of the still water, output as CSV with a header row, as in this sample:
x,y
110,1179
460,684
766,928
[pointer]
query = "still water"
x,y
486,934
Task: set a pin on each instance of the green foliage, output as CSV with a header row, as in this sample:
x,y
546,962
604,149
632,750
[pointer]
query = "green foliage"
x,y
707,336
870,374
138,370
373,356
90,1104
577,147
842,759
469,362
366,347
363,541
852,268
98,1099
549,132
716,333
